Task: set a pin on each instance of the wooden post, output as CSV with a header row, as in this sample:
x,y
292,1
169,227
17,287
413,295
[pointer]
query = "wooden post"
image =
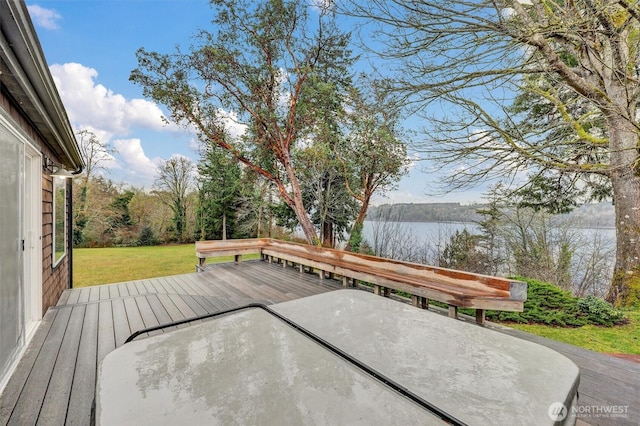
x,y
480,316
415,300
419,302
376,290
424,302
237,258
301,267
453,311
284,264
201,262
345,282
321,274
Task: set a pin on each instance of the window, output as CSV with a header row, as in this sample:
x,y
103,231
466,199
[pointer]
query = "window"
x,y
59,218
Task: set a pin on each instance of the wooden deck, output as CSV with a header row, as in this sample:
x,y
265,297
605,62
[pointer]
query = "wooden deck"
x,y
55,380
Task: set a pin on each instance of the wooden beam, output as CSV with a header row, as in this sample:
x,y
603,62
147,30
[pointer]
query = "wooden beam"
x,y
453,311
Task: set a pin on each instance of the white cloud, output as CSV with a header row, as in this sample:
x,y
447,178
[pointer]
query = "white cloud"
x,y
46,18
234,128
137,166
194,145
321,6
90,104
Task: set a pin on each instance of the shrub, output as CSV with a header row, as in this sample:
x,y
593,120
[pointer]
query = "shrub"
x,y
600,312
147,237
548,304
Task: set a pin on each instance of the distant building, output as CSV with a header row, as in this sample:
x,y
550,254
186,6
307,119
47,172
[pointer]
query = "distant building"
x,y
36,140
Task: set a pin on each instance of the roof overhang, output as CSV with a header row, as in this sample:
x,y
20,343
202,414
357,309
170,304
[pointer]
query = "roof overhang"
x,y
25,76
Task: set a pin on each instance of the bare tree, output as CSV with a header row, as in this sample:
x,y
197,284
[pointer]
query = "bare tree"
x,y
540,246
463,62
173,183
591,263
389,236
95,154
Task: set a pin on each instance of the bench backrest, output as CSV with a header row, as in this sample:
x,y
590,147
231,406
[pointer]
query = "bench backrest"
x,y
366,264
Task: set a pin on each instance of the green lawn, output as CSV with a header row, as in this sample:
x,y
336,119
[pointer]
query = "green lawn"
x,y
113,265
623,339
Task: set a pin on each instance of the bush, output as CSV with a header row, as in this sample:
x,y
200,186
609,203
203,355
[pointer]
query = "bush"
x,y
549,305
147,238
600,312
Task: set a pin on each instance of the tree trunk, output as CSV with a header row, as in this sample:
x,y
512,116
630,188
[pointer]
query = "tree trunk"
x,y
294,200
625,286
306,224
328,236
224,225
362,215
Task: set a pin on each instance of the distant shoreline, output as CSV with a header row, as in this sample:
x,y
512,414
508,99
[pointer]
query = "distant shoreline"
x,y
458,222
588,216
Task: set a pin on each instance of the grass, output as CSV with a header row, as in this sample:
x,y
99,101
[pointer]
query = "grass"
x,y
111,265
93,266
624,339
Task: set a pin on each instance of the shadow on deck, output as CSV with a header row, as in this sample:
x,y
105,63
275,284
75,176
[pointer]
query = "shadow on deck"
x,y
55,380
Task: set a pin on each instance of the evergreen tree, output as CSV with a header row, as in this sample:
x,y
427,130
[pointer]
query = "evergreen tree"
x,y
220,183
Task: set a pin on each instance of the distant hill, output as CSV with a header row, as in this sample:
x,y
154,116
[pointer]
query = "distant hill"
x,y
425,212
589,215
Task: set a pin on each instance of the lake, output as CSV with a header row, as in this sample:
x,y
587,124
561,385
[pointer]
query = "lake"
x,y
592,256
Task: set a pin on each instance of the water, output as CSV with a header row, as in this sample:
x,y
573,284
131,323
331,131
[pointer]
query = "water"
x,y
592,249
440,233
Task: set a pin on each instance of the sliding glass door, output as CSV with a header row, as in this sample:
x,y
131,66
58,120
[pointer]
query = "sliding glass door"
x,y
11,249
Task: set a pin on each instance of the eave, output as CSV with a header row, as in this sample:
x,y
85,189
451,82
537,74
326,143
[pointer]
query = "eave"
x,y
25,78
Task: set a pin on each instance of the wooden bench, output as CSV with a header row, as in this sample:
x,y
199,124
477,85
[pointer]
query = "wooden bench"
x,y
235,248
457,289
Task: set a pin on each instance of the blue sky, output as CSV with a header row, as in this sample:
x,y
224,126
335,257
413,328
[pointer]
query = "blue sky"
x,y
90,46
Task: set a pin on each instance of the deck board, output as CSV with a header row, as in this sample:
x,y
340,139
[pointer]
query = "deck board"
x,y
84,382
84,295
123,289
106,334
149,318
159,310
55,380
94,294
196,307
55,404
13,391
121,328
27,408
133,315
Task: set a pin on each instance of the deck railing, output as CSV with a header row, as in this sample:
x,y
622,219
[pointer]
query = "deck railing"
x,y
457,289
